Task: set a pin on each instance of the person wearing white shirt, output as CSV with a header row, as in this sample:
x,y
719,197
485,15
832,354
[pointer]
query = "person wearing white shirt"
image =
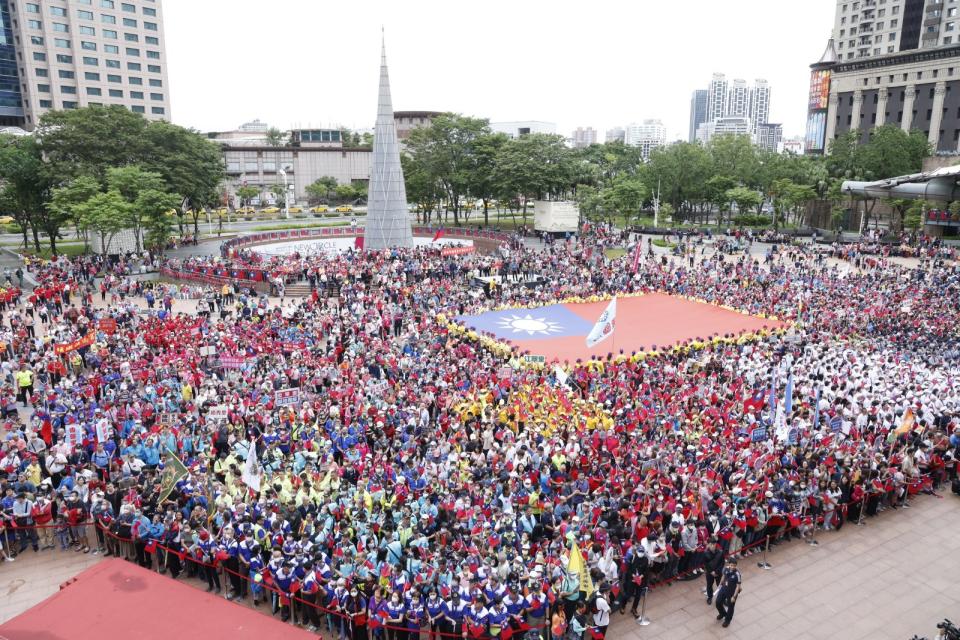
x,y
601,619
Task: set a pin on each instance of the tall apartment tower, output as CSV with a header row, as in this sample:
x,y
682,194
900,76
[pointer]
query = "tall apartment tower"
x,y
759,111
584,137
698,111
717,97
738,100
76,53
868,28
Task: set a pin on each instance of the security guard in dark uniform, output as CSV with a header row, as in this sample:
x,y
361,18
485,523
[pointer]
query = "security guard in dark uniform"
x,y
730,585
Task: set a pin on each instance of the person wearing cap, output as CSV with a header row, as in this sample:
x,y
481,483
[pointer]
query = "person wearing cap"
x,y
730,586
454,610
634,581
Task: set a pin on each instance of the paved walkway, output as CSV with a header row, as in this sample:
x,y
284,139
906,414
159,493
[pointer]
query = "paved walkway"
x,y
892,578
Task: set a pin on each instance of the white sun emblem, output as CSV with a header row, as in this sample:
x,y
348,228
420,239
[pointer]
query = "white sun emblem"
x,y
530,325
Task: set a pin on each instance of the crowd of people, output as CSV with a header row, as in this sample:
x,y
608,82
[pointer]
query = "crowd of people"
x,y
356,464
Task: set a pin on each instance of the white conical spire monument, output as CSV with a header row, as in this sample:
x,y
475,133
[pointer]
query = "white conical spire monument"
x,y
388,220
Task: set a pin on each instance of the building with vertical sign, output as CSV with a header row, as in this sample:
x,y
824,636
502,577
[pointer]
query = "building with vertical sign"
x,y
819,101
896,62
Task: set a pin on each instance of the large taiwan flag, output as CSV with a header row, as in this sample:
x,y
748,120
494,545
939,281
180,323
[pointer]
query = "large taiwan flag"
x,y
556,332
559,331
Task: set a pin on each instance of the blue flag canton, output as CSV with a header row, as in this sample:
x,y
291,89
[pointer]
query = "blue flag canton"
x,y
555,321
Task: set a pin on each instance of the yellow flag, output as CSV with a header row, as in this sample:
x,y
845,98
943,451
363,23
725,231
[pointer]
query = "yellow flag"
x,y
907,424
578,565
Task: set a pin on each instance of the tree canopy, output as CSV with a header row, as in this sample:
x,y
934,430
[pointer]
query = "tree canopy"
x,y
99,150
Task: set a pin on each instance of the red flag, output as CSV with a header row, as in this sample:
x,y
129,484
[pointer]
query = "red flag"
x,y
595,633
46,432
151,547
358,242
439,234
506,632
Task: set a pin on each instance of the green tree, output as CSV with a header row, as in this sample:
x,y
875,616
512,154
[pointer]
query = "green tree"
x,y
191,166
345,192
64,203
483,151
279,194
443,152
154,205
745,199
681,172
535,167
88,141
105,214
589,201
716,193
626,196
275,137
25,187
321,188
913,218
735,156
422,188
130,182
246,193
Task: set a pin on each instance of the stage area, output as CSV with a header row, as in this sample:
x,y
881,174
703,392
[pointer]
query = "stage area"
x,y
117,599
558,332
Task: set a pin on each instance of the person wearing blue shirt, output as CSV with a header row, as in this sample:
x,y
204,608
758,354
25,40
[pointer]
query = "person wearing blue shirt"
x,y
396,618
433,607
453,612
498,617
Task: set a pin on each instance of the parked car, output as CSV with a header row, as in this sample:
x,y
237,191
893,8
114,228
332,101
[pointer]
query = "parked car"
x,y
295,209
270,210
320,208
344,208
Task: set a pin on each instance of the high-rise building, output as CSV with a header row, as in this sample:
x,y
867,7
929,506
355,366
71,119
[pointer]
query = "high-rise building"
x,y
75,53
868,29
768,136
893,63
698,111
11,104
616,134
717,97
388,220
520,128
759,110
584,137
738,100
648,135
736,126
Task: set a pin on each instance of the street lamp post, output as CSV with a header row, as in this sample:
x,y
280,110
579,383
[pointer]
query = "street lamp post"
x,y
286,204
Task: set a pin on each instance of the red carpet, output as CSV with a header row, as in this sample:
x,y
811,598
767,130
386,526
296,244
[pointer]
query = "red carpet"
x,y
656,319
117,599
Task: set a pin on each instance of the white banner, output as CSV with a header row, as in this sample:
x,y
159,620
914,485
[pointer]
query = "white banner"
x,y
251,469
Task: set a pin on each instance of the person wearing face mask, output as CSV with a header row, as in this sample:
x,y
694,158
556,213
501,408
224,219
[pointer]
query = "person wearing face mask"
x,y
453,613
476,619
232,563
355,608
309,614
396,618
416,614
434,612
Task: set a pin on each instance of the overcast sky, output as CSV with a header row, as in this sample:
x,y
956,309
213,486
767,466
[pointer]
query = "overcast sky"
x,y
602,63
